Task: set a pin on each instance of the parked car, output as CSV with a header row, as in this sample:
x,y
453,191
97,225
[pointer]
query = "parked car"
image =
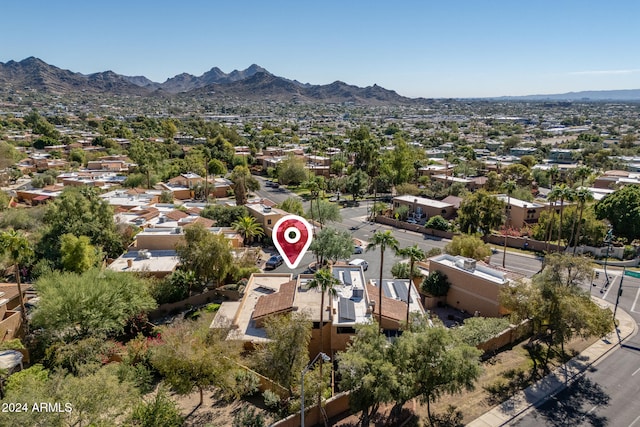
x,y
357,249
360,262
274,262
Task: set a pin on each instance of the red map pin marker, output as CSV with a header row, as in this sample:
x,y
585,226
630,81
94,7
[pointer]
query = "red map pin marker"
x,y
292,235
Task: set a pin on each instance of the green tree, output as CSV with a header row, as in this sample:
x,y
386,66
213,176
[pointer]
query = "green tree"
x,y
330,244
292,205
224,216
558,308
469,246
96,398
383,240
243,182
189,359
415,254
437,222
208,255
326,283
509,187
216,167
80,212
357,184
432,362
78,254
481,212
248,228
325,211
19,249
291,170
315,184
158,411
400,270
436,284
581,173
622,209
398,163
366,369
565,194
78,155
92,303
583,196
285,355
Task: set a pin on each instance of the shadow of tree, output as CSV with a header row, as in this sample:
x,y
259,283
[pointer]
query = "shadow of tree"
x,y
501,390
568,408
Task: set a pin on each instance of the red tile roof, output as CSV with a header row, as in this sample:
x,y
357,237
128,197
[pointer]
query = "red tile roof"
x,y
279,302
391,308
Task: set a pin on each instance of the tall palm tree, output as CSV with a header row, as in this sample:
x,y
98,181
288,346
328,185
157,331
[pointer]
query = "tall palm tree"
x,y
383,240
414,253
581,173
18,248
326,283
566,193
509,186
552,197
248,228
583,196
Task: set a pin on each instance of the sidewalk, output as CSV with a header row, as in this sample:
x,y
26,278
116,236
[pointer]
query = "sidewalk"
x,y
555,382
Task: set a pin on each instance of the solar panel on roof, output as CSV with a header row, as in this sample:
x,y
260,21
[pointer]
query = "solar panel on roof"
x,y
385,289
346,309
401,291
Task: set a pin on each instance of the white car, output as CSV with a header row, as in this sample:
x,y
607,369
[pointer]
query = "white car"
x,y
360,262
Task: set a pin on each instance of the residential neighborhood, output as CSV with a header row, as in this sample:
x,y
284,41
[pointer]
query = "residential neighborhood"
x,y
142,239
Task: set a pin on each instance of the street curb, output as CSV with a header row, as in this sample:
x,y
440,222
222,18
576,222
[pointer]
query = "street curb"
x,y
552,384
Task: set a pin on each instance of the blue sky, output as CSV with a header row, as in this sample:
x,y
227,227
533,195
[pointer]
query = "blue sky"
x,y
423,48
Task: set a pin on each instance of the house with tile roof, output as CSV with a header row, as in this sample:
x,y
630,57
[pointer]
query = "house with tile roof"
x,y
355,302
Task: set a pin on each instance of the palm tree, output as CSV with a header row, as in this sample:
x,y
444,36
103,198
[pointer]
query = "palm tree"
x,y
566,193
383,240
582,196
552,197
248,228
509,186
18,248
326,283
414,253
554,173
582,172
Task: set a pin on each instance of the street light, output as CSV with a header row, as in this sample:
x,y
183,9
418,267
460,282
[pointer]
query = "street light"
x,y
607,240
304,371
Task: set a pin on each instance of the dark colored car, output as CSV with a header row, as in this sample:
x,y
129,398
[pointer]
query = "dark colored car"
x,y
274,261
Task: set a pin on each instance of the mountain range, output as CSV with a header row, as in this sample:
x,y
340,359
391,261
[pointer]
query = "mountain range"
x,y
254,83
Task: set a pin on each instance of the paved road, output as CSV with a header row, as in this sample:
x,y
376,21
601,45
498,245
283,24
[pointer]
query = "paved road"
x,y
608,394
354,220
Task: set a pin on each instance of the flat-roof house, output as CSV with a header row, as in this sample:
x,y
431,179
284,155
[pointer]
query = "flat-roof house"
x,y
421,207
355,302
521,213
475,286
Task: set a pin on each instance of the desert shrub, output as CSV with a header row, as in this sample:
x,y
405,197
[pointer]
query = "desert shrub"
x,y
161,411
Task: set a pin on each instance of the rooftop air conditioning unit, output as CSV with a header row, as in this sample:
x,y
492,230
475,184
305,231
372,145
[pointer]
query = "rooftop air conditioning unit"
x,y
266,209
177,230
469,264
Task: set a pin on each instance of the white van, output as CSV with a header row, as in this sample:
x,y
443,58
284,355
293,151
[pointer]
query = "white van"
x,y
360,262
